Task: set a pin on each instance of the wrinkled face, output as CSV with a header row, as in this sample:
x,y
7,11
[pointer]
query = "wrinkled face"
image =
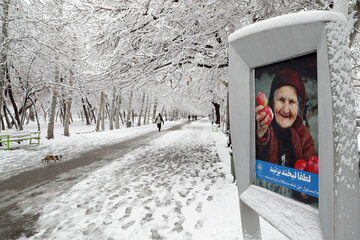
x,y
286,106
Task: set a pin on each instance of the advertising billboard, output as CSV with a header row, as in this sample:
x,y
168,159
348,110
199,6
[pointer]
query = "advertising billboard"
x,y
286,128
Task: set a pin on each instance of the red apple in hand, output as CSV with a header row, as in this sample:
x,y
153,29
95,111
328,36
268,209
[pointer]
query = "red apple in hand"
x,y
261,99
300,165
313,165
267,110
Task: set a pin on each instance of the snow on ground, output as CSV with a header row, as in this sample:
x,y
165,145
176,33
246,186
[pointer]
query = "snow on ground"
x,y
83,137
178,186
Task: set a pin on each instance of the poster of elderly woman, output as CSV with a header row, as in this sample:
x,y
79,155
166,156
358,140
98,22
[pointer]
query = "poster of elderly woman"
x,y
286,128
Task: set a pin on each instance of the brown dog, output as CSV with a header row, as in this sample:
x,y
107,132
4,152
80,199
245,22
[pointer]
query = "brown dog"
x,y
52,158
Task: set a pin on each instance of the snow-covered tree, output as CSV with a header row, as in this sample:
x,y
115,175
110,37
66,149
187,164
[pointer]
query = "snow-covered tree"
x,y
59,55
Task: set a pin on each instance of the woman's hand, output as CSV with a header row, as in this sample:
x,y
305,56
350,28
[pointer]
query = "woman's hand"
x,y
262,121
304,196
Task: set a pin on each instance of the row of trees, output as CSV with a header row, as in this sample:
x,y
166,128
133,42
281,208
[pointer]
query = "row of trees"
x,y
101,58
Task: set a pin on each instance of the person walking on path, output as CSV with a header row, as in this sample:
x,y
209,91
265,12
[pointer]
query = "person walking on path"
x,y
158,121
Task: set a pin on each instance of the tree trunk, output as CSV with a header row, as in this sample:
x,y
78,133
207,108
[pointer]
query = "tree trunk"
x,y
36,115
3,37
62,110
217,112
91,110
45,111
129,108
107,113
62,115
356,25
117,112
154,109
122,118
27,117
85,112
51,125
12,100
101,110
6,117
212,115
23,112
103,119
31,115
141,110
2,122
227,112
133,116
148,113
146,109
68,107
111,126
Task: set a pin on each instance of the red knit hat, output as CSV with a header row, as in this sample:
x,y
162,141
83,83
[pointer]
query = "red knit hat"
x,y
289,77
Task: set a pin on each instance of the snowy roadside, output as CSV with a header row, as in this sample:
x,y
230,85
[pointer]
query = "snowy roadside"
x,y
268,232
23,157
186,193
115,202
218,218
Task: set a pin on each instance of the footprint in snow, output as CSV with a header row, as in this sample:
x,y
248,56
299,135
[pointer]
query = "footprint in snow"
x,y
210,176
107,220
128,210
188,236
183,194
178,227
140,195
89,229
124,217
146,219
199,224
155,234
147,201
117,205
178,207
89,211
166,218
129,224
114,196
199,207
98,207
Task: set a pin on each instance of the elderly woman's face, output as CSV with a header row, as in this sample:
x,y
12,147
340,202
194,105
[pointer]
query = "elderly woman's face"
x,y
286,106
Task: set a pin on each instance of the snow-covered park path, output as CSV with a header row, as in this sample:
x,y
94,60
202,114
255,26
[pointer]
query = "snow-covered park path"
x,y
131,183
159,185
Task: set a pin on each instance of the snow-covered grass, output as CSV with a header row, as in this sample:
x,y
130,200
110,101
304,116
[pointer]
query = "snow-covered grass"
x,y
83,137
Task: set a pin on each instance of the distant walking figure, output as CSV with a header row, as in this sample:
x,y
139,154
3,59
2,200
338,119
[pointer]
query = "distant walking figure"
x,y
158,121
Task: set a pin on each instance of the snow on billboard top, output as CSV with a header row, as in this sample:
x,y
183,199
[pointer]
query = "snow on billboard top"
x,y
287,20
